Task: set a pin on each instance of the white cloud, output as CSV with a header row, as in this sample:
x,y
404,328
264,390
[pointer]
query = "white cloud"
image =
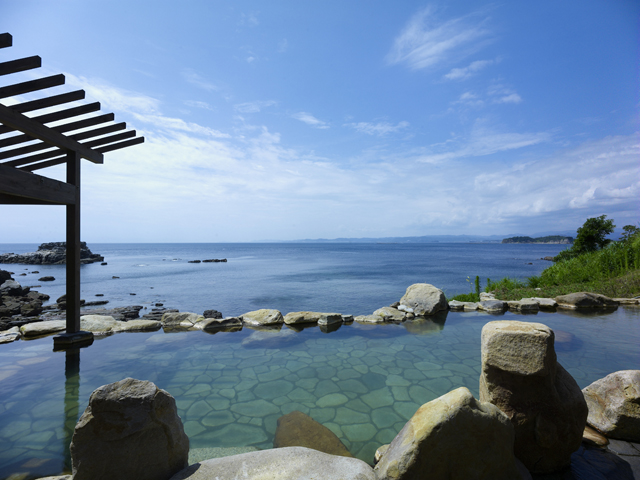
x,y
495,94
195,79
198,104
168,123
254,107
380,129
426,42
468,72
310,120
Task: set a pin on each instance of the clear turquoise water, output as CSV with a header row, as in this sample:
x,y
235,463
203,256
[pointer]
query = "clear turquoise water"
x,y
363,382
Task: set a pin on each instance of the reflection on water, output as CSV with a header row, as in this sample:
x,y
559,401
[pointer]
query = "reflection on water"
x,y
363,382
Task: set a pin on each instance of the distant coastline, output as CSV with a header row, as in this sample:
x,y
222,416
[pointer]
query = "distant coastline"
x,y
549,239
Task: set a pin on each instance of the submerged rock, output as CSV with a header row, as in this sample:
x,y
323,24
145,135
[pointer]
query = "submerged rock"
x,y
453,436
521,376
614,405
130,431
290,463
297,429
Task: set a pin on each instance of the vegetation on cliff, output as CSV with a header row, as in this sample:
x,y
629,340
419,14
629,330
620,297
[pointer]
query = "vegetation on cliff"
x,y
547,239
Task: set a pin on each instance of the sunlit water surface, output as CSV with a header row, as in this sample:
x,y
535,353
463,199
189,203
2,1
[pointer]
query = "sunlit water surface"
x,y
362,382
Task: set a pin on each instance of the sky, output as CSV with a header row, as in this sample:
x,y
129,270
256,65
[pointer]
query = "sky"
x,y
287,120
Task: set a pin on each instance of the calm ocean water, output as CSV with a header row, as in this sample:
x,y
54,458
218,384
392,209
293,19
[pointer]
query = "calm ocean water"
x,y
347,278
363,382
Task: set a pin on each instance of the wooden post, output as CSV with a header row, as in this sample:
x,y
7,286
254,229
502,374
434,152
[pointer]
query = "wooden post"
x,y
73,246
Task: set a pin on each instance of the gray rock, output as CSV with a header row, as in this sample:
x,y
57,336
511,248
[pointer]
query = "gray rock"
x,y
217,323
424,299
293,318
290,463
130,431
545,303
263,316
369,319
521,376
184,319
614,405
493,306
453,436
52,253
329,319
525,305
585,300
212,314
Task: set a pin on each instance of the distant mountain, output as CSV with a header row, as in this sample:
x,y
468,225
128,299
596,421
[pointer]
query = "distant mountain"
x,y
557,239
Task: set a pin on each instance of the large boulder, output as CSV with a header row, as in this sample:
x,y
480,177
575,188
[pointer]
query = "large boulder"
x,y
614,405
452,437
291,463
424,299
585,300
130,431
264,316
297,429
521,376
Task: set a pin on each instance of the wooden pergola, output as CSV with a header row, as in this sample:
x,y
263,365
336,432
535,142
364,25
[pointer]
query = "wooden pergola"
x,y
27,144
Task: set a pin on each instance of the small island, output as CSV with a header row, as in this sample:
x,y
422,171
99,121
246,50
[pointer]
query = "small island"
x,y
549,239
52,253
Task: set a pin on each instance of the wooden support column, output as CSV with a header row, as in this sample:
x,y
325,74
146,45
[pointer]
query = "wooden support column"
x,y
73,245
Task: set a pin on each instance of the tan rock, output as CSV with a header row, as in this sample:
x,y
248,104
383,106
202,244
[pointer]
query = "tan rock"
x,y
369,319
181,319
138,325
390,314
593,437
521,376
329,319
627,301
293,318
262,317
296,429
614,405
453,436
545,303
43,328
129,431
218,323
380,451
424,299
525,305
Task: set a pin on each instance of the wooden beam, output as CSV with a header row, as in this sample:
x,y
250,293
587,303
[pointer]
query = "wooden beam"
x,y
6,40
56,116
118,146
20,65
73,246
15,200
18,121
17,183
48,101
35,158
110,139
59,160
31,86
15,152
66,127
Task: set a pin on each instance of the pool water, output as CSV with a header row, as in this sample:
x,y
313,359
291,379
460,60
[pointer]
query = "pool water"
x,y
361,381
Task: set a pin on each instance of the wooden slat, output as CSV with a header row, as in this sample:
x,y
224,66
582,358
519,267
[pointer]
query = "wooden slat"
x,y
36,147
59,160
18,121
20,65
59,115
59,156
118,146
66,127
6,40
31,186
31,86
48,101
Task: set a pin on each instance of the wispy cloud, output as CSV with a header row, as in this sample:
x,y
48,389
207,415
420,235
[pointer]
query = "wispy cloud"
x,y
254,107
195,79
310,120
379,129
198,104
485,141
426,41
495,94
470,71
283,45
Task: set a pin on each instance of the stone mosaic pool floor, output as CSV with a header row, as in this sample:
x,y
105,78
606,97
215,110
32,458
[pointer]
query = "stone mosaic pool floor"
x,y
361,381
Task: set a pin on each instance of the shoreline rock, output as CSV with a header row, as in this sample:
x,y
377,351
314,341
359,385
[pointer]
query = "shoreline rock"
x,y
52,253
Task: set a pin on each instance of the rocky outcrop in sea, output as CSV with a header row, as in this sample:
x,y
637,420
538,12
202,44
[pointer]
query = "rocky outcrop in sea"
x,y
52,253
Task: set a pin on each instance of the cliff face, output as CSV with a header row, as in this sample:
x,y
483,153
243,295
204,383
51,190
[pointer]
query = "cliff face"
x,y
52,253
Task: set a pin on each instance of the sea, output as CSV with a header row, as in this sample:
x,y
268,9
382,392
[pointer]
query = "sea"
x,y
337,277
362,382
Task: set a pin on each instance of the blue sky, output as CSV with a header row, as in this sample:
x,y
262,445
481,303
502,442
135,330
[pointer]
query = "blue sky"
x,y
286,120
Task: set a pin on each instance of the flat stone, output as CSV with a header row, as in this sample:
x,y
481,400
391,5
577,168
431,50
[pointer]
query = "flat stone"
x,y
378,398
43,328
585,300
290,463
359,432
332,400
263,316
255,408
